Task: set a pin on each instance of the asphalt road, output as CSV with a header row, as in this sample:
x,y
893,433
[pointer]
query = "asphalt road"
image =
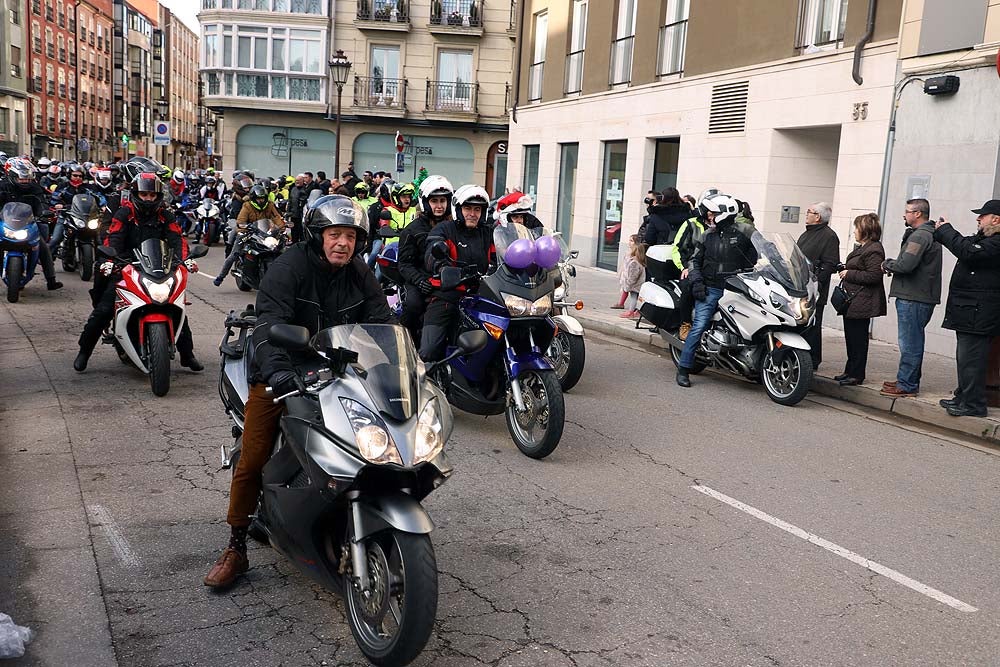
x,y
706,526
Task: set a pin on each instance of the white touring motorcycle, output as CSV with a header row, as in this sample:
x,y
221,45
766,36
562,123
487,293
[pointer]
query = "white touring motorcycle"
x,y
756,330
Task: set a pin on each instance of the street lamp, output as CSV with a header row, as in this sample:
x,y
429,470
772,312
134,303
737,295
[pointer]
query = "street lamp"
x,y
340,67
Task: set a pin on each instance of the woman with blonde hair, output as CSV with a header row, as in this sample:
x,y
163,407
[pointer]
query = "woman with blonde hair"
x,y
861,276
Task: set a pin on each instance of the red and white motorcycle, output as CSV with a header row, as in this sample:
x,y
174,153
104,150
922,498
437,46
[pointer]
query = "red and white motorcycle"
x,y
149,308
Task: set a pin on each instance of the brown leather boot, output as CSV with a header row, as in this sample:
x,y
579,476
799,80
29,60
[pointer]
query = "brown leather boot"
x,y
231,564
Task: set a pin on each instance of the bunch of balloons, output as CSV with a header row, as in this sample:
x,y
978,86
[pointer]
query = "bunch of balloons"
x,y
543,252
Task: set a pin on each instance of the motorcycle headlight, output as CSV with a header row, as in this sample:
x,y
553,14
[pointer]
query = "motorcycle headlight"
x,y
519,306
756,297
158,292
429,441
16,234
370,435
93,223
802,309
271,243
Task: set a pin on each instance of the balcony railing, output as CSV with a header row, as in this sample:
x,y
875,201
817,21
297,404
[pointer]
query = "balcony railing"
x,y
621,60
36,86
535,73
452,96
38,122
457,13
62,55
379,93
36,7
673,43
574,72
15,70
50,88
72,58
62,90
36,44
50,51
386,11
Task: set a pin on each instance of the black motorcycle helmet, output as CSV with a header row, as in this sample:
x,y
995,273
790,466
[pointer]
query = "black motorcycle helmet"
x,y
385,191
147,182
20,172
140,165
336,211
258,197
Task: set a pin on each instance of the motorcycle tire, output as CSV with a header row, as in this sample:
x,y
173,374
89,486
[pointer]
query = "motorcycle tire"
x,y
15,269
242,285
572,353
86,262
68,253
788,383
675,356
210,234
535,384
158,354
403,571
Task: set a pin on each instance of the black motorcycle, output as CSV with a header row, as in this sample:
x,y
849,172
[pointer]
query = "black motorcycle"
x,y
80,244
360,446
262,244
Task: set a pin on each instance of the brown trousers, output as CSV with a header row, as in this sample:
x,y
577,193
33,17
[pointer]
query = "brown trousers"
x,y
263,418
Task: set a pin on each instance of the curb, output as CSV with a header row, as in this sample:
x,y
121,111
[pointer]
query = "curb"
x,y
925,410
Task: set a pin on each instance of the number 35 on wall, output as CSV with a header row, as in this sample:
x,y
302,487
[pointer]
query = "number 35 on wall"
x,y
860,111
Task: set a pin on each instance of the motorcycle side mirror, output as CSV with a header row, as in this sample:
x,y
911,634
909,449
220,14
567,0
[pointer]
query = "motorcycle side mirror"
x,y
197,250
107,251
573,254
451,277
471,342
288,336
439,250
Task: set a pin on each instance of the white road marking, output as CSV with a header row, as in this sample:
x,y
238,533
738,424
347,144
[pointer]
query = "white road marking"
x,y
878,568
205,275
118,542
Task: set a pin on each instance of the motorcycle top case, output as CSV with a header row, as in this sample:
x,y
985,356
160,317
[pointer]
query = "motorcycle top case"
x,y
660,305
660,264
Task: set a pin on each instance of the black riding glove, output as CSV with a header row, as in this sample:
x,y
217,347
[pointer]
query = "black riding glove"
x,y
698,291
425,286
285,382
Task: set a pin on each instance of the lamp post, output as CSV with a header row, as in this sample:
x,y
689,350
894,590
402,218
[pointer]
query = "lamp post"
x,y
162,109
62,132
340,67
210,127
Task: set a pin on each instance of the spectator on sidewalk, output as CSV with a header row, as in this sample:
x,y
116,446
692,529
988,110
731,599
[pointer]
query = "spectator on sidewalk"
x,y
973,308
916,284
861,276
665,218
821,246
632,275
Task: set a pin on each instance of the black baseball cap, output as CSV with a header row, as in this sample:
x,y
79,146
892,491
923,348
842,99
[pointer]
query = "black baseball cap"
x,y
992,207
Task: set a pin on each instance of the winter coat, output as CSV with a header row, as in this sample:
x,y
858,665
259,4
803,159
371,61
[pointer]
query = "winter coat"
x,y
722,252
412,247
821,246
632,275
974,292
663,222
249,214
864,282
466,247
916,273
301,288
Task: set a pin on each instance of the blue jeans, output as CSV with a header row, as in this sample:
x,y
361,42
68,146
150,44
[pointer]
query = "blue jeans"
x,y
703,312
58,234
912,318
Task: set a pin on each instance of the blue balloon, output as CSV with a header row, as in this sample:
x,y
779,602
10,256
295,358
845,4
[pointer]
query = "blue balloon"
x,y
547,252
520,254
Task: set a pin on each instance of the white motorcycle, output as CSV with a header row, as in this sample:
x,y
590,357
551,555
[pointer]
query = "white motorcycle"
x,y
567,351
756,330
149,310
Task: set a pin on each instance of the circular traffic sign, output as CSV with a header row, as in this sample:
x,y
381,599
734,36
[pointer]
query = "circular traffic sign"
x,y
161,128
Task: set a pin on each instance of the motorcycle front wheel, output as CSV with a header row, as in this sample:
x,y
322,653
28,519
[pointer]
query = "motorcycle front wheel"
x,y
567,354
392,625
86,261
158,347
788,382
537,430
15,269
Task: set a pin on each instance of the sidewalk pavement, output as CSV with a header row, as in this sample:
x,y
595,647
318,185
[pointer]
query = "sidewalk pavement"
x,y
598,289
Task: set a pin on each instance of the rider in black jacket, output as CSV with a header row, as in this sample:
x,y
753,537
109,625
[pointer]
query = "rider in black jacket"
x,y
316,284
466,241
20,186
435,201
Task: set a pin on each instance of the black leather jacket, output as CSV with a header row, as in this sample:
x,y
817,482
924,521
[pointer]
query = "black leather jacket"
x,y
723,251
413,247
301,288
466,247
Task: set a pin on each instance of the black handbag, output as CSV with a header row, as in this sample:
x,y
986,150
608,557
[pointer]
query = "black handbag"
x,y
841,299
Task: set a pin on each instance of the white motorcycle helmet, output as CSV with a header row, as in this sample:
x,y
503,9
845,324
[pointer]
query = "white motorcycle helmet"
x,y
470,195
178,176
723,206
434,186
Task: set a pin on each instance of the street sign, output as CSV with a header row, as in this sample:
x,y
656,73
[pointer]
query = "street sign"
x,y
208,145
83,145
400,142
161,133
400,163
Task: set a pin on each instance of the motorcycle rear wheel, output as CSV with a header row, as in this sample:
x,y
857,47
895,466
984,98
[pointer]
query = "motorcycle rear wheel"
x,y
158,347
675,356
15,269
393,625
538,429
789,382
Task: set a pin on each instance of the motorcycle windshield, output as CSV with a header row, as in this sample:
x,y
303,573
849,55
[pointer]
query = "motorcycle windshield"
x,y
387,363
17,215
155,257
780,259
264,226
84,208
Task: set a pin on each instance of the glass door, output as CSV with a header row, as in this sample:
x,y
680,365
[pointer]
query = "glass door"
x,y
613,192
455,80
385,75
569,154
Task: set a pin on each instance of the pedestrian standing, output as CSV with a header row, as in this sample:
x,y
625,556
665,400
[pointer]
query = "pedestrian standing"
x,y
916,284
861,277
821,246
973,308
632,275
